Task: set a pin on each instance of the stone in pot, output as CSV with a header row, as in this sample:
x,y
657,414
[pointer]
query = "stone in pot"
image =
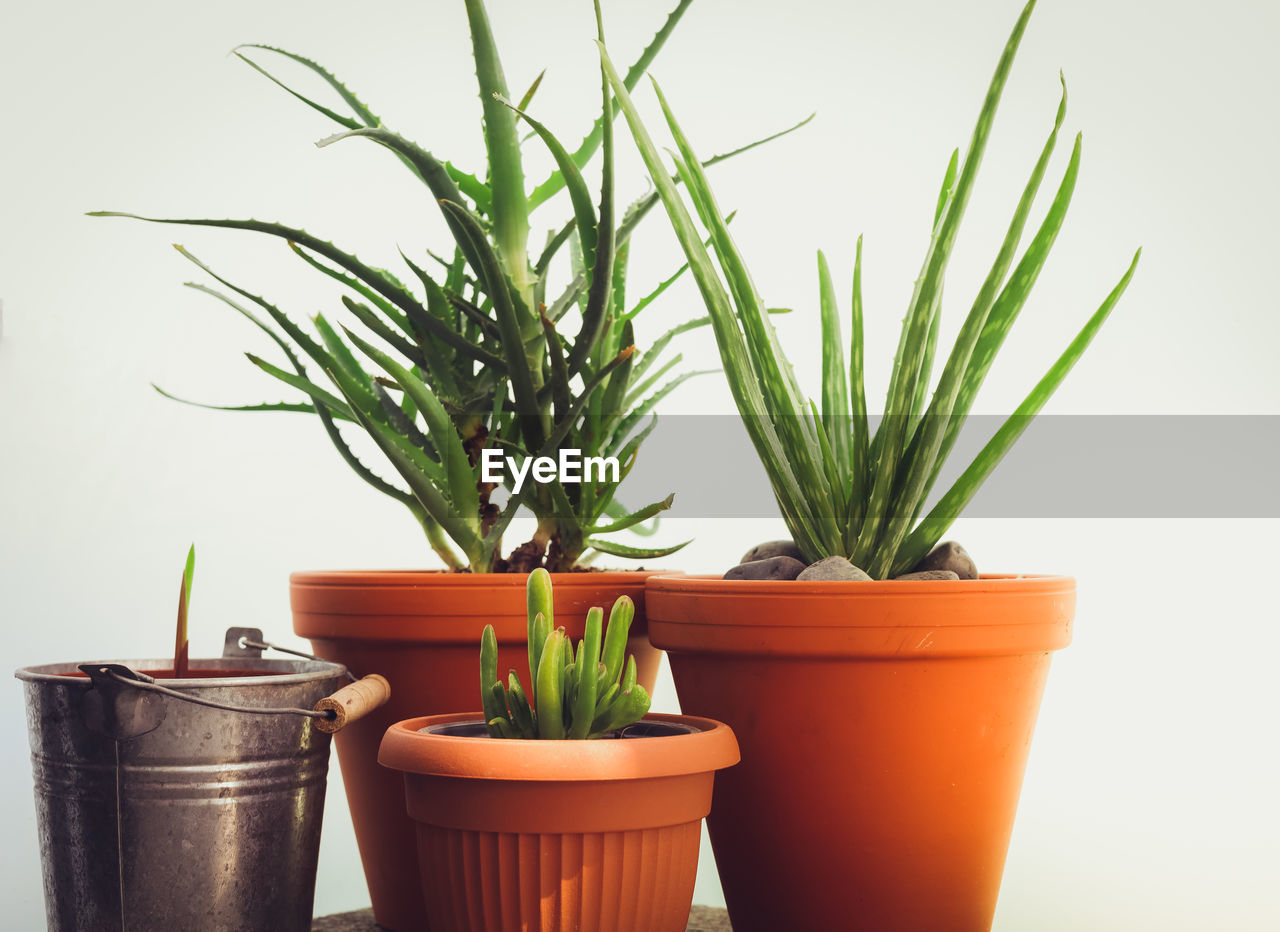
x,y
780,567
948,556
829,568
772,548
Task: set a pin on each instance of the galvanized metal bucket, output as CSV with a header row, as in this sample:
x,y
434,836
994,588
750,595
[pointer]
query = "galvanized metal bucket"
x,y
156,813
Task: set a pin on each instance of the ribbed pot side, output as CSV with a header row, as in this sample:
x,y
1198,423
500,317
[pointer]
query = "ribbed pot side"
x,y
542,836
884,729
422,630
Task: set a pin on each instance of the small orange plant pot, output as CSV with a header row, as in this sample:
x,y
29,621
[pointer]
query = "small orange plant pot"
x,y
420,630
884,729
590,835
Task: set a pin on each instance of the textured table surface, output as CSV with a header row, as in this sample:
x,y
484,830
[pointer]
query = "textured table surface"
x,y
702,919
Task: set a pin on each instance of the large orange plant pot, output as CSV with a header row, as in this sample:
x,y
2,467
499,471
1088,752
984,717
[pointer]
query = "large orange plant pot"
x,y
544,836
884,729
421,630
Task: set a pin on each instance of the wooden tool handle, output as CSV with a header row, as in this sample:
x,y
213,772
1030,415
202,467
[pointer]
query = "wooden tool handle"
x,y
353,702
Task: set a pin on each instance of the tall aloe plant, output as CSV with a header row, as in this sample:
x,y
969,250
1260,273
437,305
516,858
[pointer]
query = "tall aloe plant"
x,y
844,489
474,355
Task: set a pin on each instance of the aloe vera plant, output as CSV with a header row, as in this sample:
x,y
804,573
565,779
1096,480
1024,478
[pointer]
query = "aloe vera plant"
x,y
843,488
585,693
474,355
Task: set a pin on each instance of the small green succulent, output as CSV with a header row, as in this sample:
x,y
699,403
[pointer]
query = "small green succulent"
x,y
582,694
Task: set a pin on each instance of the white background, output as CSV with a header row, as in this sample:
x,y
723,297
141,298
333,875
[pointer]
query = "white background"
x,y
1149,800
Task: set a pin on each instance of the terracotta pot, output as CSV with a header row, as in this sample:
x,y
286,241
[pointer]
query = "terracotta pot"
x,y
594,836
421,630
884,729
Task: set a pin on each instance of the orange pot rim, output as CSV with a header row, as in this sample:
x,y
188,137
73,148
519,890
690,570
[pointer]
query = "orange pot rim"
x,y
887,619
986,584
430,604
406,578
407,748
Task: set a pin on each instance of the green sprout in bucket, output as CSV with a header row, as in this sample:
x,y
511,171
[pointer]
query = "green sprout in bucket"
x,y
181,644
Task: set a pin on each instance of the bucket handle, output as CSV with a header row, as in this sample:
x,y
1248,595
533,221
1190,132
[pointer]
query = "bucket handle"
x,y
349,704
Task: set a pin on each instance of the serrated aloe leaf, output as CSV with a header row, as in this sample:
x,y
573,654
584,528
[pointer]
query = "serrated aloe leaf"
x,y
916,323
926,365
400,319
638,390
472,187
298,407
631,219
510,323
328,408
949,507
562,426
834,468
601,268
835,385
444,436
634,518
355,382
318,107
376,279
430,169
657,346
366,316
733,350
561,394
667,283
367,116
769,365
634,553
527,98
425,480
951,403
588,147
612,508
1012,297
639,409
302,383
859,452
620,379
579,195
555,241
502,144
295,333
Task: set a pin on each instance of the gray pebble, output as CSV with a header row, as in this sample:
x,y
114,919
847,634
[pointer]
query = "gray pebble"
x,y
833,568
929,574
773,568
772,548
948,555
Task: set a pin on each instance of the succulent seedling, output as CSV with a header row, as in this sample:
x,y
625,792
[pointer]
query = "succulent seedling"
x,y
586,693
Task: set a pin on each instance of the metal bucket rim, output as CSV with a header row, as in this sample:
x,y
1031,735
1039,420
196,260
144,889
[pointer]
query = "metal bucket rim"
x,y
291,672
